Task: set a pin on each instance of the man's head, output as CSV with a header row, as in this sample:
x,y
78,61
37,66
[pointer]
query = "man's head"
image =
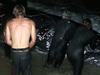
x,y
19,10
87,23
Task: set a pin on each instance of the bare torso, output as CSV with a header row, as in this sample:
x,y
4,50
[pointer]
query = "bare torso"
x,y
20,31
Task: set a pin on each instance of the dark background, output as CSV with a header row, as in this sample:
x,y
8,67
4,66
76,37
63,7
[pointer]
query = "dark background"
x,y
92,5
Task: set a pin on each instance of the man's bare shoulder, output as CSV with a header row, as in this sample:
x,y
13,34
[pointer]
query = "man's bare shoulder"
x,y
30,21
15,21
9,22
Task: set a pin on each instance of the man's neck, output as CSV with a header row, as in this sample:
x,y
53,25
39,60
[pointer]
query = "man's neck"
x,y
20,16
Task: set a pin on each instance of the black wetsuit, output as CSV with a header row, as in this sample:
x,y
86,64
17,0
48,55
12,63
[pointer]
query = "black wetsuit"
x,y
64,31
78,36
75,51
21,61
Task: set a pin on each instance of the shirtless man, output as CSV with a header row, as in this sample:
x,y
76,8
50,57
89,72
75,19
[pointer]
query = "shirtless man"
x,y
20,34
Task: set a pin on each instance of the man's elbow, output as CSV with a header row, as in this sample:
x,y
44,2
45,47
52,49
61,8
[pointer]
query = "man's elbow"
x,y
8,42
33,41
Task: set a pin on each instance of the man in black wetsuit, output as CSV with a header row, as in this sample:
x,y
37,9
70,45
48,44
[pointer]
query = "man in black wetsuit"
x,y
79,35
75,51
64,30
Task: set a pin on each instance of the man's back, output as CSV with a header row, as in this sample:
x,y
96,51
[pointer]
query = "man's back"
x,y
20,31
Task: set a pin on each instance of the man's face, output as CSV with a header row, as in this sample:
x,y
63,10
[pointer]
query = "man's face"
x,y
86,23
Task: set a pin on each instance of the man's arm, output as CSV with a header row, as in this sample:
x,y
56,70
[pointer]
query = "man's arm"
x,y
33,36
7,35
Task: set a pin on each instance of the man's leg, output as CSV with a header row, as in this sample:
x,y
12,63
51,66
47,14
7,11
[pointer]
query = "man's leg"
x,y
76,58
15,64
26,63
60,54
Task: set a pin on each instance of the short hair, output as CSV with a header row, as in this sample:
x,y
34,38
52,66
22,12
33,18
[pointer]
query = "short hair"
x,y
19,10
